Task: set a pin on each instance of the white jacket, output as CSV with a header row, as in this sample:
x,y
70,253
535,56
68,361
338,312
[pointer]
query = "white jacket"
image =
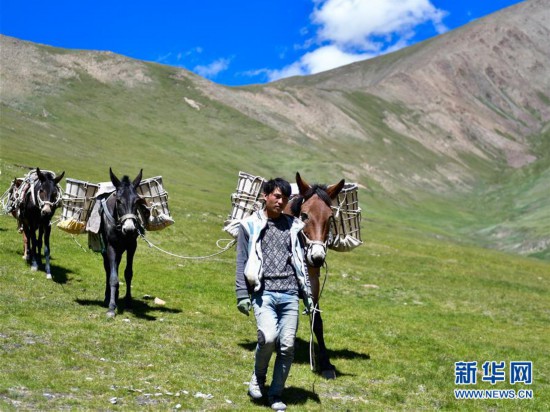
x,y
250,259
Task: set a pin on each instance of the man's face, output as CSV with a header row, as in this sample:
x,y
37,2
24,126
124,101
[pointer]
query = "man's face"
x,y
275,203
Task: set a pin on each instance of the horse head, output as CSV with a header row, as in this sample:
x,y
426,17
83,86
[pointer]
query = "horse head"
x,y
127,202
314,207
47,194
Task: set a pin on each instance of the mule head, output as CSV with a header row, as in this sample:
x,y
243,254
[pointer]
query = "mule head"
x,y
315,210
127,202
48,195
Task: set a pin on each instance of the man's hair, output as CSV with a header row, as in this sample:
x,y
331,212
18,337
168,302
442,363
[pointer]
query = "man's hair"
x,y
270,186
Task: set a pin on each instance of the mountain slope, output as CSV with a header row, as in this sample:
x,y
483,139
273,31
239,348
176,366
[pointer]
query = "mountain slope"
x,y
434,133
482,90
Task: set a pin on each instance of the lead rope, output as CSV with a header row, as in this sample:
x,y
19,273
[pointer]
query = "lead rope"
x,y
312,321
224,249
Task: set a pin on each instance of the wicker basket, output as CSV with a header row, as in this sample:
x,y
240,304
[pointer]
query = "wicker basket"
x,y
345,231
156,198
346,225
245,201
78,200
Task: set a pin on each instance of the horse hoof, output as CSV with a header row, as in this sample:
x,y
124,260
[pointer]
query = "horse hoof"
x,y
329,374
48,275
111,314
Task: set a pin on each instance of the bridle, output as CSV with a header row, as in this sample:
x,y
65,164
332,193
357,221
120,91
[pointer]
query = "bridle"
x,y
118,223
37,200
310,244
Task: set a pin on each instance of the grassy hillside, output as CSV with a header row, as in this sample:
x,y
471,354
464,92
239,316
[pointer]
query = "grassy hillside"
x,y
399,311
83,112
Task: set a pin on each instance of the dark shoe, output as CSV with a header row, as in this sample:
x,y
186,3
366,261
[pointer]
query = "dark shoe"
x,y
256,388
277,404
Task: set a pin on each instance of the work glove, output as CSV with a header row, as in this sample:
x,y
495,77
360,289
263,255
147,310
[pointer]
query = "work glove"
x,y
243,304
309,306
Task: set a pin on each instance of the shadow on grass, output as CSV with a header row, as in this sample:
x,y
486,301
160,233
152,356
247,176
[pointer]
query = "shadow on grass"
x,y
291,396
59,274
139,308
301,355
299,396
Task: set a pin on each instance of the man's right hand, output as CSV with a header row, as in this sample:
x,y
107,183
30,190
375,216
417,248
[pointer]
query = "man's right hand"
x,y
244,305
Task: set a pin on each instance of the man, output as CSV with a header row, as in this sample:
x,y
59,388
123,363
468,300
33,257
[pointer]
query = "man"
x,y
272,269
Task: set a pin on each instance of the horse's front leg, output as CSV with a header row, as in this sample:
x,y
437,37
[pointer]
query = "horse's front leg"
x,y
39,240
129,272
26,246
327,370
31,244
111,261
47,232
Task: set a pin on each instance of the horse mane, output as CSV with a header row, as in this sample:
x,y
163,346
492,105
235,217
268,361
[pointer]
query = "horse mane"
x,y
125,182
316,189
48,175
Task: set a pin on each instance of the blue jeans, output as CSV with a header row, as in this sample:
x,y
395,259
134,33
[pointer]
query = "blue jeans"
x,y
277,320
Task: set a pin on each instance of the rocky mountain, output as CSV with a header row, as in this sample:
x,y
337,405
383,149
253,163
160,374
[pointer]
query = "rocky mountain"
x,y
482,90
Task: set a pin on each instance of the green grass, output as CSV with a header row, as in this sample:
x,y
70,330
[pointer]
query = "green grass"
x,y
394,346
439,297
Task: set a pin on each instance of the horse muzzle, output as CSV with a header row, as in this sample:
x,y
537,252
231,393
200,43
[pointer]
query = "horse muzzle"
x,y
46,209
128,223
316,253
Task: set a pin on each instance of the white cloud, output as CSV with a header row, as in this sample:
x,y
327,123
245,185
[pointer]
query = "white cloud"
x,y
213,69
353,30
354,22
319,60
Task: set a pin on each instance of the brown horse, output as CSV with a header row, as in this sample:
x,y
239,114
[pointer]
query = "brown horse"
x,y
314,207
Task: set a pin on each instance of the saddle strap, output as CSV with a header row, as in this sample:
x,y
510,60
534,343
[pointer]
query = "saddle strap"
x,y
105,210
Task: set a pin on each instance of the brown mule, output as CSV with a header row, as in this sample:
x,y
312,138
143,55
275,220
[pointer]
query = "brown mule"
x,y
313,207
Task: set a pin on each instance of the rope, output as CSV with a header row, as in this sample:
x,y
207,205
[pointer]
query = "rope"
x,y
312,321
227,247
76,241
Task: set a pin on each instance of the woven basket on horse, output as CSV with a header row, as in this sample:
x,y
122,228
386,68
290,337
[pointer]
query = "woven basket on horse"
x,y
78,201
80,208
247,199
345,233
15,195
346,225
156,199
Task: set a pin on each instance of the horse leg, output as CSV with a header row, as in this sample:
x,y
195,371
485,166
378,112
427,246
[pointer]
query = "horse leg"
x,y
47,232
129,273
39,241
31,236
328,370
25,245
107,267
113,258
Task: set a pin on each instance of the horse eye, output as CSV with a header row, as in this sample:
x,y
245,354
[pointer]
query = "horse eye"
x,y
304,216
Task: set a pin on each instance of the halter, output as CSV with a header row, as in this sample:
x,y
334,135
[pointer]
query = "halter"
x,y
41,203
311,243
117,223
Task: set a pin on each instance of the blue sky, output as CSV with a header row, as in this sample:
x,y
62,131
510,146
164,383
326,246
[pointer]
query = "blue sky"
x,y
242,41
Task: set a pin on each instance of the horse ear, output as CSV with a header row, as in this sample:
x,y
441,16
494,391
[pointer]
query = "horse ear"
x,y
137,180
332,191
114,179
40,175
303,186
58,178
